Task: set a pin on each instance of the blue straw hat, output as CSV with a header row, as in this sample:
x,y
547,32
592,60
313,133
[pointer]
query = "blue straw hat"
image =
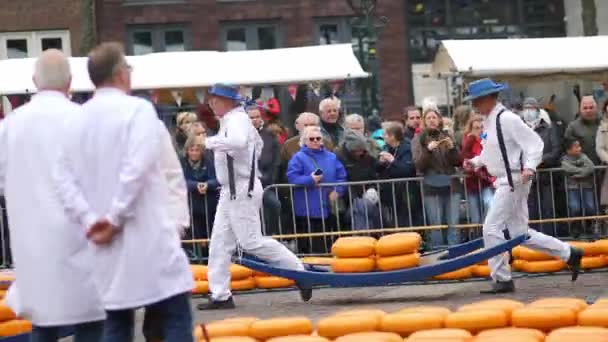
x,y
483,87
226,91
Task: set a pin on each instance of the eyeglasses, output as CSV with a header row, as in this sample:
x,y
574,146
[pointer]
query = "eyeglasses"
x,y
313,139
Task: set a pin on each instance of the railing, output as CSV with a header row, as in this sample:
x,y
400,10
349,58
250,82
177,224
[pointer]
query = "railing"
x,y
308,222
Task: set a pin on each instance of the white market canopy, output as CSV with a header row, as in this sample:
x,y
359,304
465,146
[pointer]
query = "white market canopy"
x,y
534,59
194,69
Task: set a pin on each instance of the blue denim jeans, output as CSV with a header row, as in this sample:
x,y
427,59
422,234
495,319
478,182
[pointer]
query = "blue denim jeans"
x,y
479,203
581,202
174,313
85,332
443,209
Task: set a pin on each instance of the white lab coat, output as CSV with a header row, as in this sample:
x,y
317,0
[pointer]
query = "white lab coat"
x,y
111,167
54,285
510,208
174,174
237,221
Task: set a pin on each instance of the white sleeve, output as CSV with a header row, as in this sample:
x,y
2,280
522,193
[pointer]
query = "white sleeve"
x,y
65,181
172,170
142,153
237,132
527,139
3,154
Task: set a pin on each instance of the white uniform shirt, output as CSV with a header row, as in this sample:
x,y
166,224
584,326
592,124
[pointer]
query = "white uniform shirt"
x,y
172,169
236,137
519,138
54,284
112,168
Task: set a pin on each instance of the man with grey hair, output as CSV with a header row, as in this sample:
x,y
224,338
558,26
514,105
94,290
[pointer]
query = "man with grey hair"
x,y
584,128
329,111
46,246
356,123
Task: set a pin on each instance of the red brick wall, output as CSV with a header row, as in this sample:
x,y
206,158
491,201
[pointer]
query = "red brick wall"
x,y
296,18
34,15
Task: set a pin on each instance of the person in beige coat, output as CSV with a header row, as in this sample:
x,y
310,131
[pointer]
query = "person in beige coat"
x,y
601,148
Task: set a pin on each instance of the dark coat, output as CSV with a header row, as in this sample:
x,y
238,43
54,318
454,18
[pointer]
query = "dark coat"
x,y
205,173
269,159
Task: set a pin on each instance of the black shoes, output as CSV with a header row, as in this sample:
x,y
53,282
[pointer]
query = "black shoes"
x,y
305,293
217,305
574,262
500,287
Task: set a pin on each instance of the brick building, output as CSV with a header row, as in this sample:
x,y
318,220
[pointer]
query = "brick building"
x,y
172,25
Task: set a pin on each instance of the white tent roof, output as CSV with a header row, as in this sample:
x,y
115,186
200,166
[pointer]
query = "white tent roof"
x,y
525,59
205,68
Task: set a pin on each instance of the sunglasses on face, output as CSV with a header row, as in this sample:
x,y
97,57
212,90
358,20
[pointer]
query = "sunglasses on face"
x,y
313,139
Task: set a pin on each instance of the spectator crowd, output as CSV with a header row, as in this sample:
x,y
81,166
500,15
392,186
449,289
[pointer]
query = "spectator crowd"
x,y
401,173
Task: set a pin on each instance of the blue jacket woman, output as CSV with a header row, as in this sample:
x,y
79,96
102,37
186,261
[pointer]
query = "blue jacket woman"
x,y
301,169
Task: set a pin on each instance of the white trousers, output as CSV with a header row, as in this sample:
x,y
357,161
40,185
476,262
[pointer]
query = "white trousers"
x,y
238,222
510,210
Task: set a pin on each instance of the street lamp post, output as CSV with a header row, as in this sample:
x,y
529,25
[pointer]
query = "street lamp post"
x,y
367,26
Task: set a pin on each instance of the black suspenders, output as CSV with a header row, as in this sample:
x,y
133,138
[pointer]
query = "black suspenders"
x,y
231,176
503,152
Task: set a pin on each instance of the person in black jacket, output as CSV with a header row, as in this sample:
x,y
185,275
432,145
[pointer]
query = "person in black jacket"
x,y
541,200
394,162
268,164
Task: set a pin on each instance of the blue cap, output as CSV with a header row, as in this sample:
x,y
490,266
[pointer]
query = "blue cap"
x,y
483,87
227,91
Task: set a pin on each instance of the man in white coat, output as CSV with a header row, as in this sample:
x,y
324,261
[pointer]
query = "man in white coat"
x,y
511,152
54,286
237,148
111,180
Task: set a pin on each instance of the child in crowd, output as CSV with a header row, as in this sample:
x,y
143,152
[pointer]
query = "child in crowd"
x,y
578,169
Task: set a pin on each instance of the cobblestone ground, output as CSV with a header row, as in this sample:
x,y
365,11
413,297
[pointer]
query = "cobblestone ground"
x,y
327,301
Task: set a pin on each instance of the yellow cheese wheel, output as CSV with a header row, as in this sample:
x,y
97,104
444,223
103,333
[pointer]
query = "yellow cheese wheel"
x,y
592,262
6,313
238,326
201,287
594,317
257,274
298,338
575,304
440,335
398,262
463,273
601,246
477,320
506,305
377,313
273,282
407,323
518,265
6,280
601,301
482,271
243,285
548,266
513,334
524,253
440,310
578,334
2,294
233,339
354,247
238,272
353,265
370,337
15,327
199,272
318,260
398,244
277,327
543,318
589,248
336,326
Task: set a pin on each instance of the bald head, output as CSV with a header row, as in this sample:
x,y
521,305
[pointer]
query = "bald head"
x,y
52,71
588,108
306,119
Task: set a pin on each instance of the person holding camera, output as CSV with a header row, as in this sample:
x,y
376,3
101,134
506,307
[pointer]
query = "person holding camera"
x,y
313,202
436,158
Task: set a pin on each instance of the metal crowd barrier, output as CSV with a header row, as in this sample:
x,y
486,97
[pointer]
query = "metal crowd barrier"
x,y
405,205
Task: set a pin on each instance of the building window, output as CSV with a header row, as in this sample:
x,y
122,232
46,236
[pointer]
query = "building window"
x,y
144,39
250,36
31,44
333,31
